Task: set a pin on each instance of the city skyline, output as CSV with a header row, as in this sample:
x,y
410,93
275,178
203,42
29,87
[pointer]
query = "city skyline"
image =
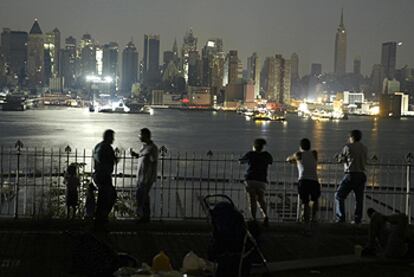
x,y
293,25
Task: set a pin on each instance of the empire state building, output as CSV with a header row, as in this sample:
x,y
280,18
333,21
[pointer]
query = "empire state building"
x,y
340,48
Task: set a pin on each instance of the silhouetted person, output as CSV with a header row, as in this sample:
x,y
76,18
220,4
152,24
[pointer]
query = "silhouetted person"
x,y
72,183
146,173
387,234
105,160
309,188
90,202
354,156
256,177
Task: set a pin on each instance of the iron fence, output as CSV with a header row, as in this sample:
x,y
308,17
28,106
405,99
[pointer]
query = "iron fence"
x,y
31,184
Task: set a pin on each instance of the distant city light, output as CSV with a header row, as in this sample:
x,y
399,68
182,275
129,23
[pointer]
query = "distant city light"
x,y
99,79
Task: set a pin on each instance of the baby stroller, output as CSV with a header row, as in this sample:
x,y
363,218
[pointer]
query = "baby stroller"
x,y
232,246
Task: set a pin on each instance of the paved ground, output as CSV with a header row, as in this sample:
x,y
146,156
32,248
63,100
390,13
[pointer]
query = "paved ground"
x,y
29,248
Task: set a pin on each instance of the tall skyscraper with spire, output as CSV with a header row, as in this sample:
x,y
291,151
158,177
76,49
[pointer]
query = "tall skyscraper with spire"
x,y
340,48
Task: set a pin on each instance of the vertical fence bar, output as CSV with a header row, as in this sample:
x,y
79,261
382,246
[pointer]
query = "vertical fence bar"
x,y
18,146
26,172
163,151
409,160
34,181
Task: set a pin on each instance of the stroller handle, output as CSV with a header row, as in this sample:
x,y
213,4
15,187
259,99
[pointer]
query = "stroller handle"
x,y
225,197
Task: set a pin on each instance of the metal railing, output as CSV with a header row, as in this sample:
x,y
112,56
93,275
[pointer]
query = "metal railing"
x,y
31,184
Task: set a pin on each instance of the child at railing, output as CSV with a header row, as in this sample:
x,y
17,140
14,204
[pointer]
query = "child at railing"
x,y
72,183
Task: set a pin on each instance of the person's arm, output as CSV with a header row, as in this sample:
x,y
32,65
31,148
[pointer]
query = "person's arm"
x,y
244,159
133,153
315,154
294,157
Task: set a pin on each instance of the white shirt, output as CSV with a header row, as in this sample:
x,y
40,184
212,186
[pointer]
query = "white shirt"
x,y
307,165
147,163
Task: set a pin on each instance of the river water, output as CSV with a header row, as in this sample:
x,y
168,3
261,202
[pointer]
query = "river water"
x,y
200,131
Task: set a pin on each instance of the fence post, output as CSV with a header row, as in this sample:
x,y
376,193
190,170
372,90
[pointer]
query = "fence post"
x,y
18,146
163,152
209,155
117,153
67,151
409,159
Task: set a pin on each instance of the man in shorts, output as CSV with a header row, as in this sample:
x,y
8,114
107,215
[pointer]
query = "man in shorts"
x,y
256,177
309,189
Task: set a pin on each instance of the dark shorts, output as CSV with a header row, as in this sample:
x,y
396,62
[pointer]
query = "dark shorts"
x,y
309,190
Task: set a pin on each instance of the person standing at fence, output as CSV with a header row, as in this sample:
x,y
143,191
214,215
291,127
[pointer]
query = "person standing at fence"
x,y
72,183
105,160
309,189
354,156
146,173
256,177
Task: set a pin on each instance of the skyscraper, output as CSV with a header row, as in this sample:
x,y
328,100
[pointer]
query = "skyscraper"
x,y
377,78
213,64
294,59
52,47
357,66
276,79
189,45
14,48
151,59
233,60
129,68
35,56
389,58
253,70
340,48
87,56
282,80
67,62
194,68
110,63
316,69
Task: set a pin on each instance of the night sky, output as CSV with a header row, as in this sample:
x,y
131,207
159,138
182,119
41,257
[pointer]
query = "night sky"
x,y
266,26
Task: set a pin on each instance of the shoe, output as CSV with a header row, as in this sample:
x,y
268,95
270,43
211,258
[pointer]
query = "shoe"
x,y
356,222
340,221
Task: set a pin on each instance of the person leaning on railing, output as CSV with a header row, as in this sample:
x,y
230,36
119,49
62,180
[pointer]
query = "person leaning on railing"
x,y
309,188
256,177
354,156
104,160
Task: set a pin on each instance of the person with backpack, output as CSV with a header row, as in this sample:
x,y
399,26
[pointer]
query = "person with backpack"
x,y
256,177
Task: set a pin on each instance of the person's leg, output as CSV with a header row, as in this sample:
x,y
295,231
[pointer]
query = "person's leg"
x,y
147,204
262,202
343,190
106,199
358,183
253,203
142,200
315,194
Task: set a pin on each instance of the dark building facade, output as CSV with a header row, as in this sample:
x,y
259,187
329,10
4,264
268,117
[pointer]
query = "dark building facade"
x,y
151,59
389,58
129,68
14,51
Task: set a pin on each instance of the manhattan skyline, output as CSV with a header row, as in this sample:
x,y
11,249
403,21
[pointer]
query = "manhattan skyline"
x,y
266,27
